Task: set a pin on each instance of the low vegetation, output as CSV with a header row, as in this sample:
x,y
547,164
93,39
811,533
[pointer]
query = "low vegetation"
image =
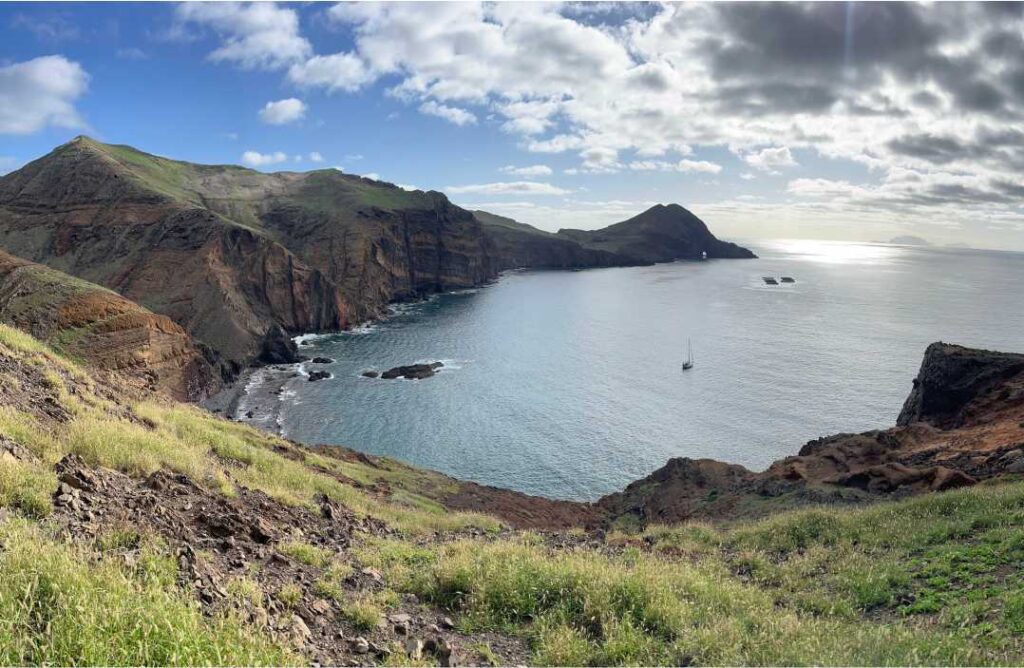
x,y
64,604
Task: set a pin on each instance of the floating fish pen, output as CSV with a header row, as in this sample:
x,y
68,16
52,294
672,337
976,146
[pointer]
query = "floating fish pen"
x,y
770,280
788,279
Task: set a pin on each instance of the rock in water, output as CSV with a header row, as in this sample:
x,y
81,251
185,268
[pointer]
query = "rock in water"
x,y
412,371
322,360
370,373
318,375
278,347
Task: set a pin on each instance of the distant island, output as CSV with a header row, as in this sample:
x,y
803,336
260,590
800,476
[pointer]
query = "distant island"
x,y
909,240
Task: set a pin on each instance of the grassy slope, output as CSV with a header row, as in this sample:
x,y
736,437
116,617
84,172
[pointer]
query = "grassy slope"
x,y
934,580
495,221
238,193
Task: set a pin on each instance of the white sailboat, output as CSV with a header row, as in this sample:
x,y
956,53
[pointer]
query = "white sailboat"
x,y
688,363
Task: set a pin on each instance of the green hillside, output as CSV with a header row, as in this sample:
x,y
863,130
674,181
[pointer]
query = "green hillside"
x,y
340,542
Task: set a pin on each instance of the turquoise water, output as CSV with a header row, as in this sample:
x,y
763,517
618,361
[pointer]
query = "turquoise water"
x,y
567,384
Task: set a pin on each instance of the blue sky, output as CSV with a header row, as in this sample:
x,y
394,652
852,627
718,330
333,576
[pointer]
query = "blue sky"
x,y
829,120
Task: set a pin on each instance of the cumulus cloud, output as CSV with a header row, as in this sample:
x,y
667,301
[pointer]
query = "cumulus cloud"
x,y
684,165
530,171
451,114
337,72
769,159
257,159
933,90
41,92
316,157
283,112
253,35
508,188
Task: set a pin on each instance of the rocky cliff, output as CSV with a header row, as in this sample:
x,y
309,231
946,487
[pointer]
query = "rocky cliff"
x,y
228,252
92,323
661,234
518,245
957,384
963,422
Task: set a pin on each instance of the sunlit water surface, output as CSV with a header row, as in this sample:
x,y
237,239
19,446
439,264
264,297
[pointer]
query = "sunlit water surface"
x,y
567,384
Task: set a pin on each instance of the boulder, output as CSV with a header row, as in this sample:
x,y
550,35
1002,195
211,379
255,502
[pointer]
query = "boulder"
x,y
370,373
322,360
278,348
318,375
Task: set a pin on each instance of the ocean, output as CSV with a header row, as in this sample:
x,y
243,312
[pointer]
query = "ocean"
x,y
568,384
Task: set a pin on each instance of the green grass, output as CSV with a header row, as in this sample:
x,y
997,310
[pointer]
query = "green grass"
x,y
364,613
26,486
61,605
305,553
950,563
290,595
586,608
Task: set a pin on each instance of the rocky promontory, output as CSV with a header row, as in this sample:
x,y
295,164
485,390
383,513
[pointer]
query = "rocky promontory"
x,y
962,423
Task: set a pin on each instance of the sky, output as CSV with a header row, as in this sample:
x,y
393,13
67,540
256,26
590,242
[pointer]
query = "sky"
x,y
858,121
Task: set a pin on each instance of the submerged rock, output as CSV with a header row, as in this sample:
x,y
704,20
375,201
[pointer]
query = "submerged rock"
x,y
322,360
412,371
371,373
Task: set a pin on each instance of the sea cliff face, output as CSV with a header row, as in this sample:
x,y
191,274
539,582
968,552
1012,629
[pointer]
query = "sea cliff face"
x,y
82,212
228,252
521,246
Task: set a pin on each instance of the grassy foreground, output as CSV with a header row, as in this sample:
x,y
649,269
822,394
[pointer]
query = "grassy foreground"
x,y
932,580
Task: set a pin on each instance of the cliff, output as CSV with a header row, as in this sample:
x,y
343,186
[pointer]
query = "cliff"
x,y
518,246
957,384
91,323
663,233
229,252
962,423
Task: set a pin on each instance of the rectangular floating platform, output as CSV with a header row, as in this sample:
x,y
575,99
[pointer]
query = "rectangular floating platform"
x,y
788,279
770,280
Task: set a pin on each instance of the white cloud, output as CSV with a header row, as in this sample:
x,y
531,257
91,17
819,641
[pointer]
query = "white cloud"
x,y
681,166
39,93
283,112
337,72
316,157
373,176
406,186
257,159
132,53
509,188
454,115
698,166
771,158
530,172
822,188
254,35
